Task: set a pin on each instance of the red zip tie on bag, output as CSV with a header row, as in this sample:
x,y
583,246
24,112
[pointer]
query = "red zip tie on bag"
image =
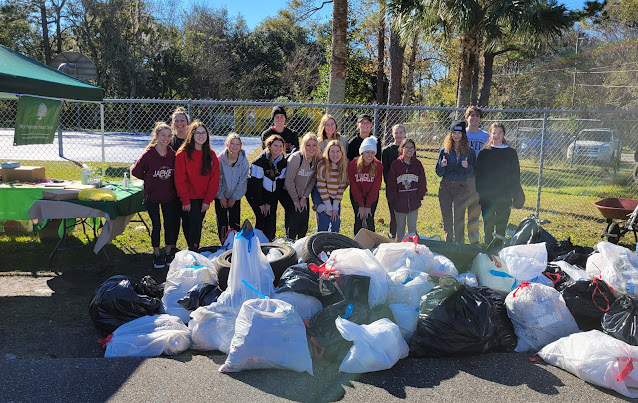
x,y
412,238
105,341
522,285
595,280
321,270
627,370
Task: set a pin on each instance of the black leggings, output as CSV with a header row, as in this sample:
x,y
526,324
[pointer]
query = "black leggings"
x,y
227,218
170,212
296,222
268,224
496,214
358,222
195,221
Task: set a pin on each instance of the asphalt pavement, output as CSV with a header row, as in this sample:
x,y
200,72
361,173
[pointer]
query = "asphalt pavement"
x,y
491,377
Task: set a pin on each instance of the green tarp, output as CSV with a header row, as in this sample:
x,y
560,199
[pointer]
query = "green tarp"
x,y
24,76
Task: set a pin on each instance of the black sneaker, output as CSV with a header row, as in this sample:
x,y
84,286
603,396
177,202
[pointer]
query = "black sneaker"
x,y
171,255
159,261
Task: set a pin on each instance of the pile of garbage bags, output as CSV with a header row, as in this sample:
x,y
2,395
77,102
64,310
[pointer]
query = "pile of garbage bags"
x,y
367,309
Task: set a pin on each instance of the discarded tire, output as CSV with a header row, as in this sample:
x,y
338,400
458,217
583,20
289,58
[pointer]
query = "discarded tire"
x,y
289,258
325,242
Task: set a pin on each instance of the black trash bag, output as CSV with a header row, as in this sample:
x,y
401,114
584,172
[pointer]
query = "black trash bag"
x,y
200,295
587,300
530,231
324,340
350,287
120,299
468,320
299,278
621,321
556,274
577,257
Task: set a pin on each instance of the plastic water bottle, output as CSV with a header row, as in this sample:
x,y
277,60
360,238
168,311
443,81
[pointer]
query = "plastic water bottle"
x,y
125,181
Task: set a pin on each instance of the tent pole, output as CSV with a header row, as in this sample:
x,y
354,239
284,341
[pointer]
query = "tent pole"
x,y
102,125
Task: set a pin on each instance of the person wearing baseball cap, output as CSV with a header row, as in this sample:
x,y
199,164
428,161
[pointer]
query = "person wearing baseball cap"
x,y
364,124
365,172
279,127
456,164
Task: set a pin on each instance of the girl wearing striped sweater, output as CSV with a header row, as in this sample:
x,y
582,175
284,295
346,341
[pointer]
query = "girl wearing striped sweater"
x,y
332,181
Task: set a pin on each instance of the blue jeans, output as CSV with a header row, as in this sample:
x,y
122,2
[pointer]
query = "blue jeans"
x,y
315,196
324,223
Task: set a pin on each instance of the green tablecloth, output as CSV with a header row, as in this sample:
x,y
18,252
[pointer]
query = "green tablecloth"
x,y
15,200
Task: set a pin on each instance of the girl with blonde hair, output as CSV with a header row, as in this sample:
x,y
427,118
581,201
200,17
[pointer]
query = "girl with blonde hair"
x,y
332,181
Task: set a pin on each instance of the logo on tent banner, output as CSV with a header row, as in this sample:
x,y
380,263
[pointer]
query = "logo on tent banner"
x,y
36,120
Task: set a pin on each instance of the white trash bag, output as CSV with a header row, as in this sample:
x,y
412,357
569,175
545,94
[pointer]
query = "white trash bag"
x,y
362,262
406,317
539,316
305,305
182,278
491,272
468,278
525,262
212,327
249,264
442,266
298,245
394,255
572,271
597,358
377,346
407,286
268,334
149,336
620,268
187,258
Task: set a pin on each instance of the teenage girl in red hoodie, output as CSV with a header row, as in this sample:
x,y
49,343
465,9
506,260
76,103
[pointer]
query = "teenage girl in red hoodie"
x,y
196,179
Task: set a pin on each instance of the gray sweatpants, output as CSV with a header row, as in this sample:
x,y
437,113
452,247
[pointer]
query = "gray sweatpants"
x,y
401,219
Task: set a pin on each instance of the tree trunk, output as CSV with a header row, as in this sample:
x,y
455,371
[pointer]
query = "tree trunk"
x,y
469,57
488,70
475,81
381,54
409,82
45,33
339,52
397,51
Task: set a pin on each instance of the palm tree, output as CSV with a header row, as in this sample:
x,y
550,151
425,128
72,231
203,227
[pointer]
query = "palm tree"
x,y
477,23
339,53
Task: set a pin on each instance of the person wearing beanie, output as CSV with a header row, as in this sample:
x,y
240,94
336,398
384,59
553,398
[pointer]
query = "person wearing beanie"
x,y
365,174
456,164
279,127
364,124
498,178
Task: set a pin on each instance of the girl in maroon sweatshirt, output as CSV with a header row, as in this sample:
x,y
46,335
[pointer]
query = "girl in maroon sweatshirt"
x,y
196,179
365,174
155,166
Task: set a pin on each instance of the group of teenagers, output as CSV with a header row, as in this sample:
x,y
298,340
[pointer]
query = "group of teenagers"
x,y
183,176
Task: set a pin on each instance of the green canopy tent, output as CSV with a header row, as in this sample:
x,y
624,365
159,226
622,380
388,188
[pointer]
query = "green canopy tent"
x,y
20,75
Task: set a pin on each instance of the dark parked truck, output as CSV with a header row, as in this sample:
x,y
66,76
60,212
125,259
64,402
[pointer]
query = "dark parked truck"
x,y
595,146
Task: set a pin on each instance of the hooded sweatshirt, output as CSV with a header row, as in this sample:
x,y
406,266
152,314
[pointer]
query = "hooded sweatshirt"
x,y
363,187
233,178
406,185
157,173
266,180
301,176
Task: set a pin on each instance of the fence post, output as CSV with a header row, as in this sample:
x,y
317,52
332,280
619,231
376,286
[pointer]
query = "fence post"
x,y
60,145
539,186
376,123
102,128
190,107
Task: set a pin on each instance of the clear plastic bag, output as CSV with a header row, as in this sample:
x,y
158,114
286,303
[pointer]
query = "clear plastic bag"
x,y
539,315
572,271
620,268
406,317
189,259
362,262
394,255
594,265
179,282
407,286
212,327
377,346
596,358
305,305
525,262
268,334
149,336
250,264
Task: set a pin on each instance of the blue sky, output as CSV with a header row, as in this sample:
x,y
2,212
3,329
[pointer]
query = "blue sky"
x,y
254,11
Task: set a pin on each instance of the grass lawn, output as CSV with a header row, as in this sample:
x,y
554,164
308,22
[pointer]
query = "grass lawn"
x,y
566,200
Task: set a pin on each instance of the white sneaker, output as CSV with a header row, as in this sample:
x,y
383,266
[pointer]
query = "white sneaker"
x,y
321,208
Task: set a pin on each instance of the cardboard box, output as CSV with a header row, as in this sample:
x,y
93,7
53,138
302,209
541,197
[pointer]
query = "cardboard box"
x,y
22,174
370,240
60,194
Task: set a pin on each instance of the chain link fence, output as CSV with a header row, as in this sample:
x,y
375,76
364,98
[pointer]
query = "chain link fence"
x,y
569,159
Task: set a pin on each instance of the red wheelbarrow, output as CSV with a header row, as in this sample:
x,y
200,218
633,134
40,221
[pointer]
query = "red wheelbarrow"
x,y
617,208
